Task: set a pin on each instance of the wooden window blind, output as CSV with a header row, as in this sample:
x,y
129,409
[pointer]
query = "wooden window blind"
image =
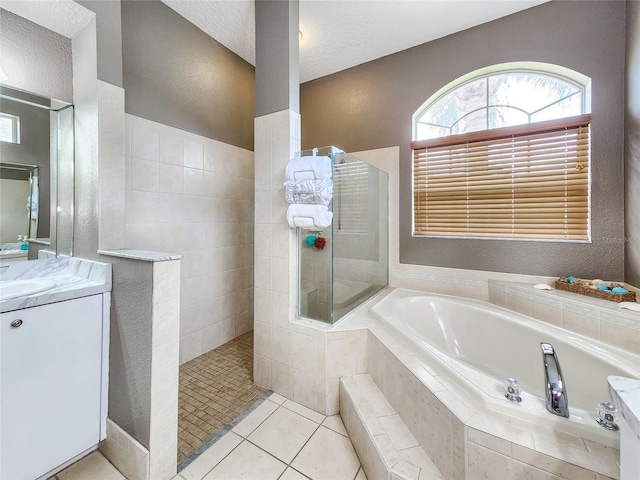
x,y
351,197
529,181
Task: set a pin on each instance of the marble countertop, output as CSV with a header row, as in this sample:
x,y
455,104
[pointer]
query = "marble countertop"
x,y
73,278
142,255
625,393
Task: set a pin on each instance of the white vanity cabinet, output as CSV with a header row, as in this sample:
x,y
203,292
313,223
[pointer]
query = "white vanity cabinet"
x,y
53,384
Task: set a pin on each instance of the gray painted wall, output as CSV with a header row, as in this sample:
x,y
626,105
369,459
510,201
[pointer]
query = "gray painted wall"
x,y
175,74
632,144
370,106
277,64
34,58
130,348
109,35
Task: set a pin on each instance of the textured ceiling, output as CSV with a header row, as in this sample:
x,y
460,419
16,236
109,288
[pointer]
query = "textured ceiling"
x,y
64,17
338,34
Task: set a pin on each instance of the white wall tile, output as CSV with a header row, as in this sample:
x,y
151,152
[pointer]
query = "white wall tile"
x,y
262,340
304,389
305,353
144,175
170,178
192,181
280,275
193,155
111,235
190,346
189,194
171,149
282,379
262,371
211,337
227,330
282,345
145,142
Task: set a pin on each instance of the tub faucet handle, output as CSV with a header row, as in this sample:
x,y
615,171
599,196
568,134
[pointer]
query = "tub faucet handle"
x,y
512,389
608,415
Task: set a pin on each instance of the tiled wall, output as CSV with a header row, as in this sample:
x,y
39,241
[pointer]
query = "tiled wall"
x,y
296,358
599,319
192,195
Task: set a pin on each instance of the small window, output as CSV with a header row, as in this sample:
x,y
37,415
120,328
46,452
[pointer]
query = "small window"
x,y
9,128
351,189
504,155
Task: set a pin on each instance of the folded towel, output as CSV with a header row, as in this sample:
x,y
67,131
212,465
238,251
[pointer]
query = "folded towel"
x,y
308,168
309,192
311,217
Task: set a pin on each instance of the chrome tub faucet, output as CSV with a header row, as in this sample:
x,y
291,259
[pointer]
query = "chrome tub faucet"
x,y
555,388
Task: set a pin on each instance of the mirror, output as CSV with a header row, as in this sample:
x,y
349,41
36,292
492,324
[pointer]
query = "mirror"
x,y
36,176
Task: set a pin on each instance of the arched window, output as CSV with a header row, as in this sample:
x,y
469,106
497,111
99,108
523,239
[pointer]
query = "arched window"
x,y
504,154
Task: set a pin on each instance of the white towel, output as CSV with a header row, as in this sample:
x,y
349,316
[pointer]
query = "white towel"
x,y
309,192
311,217
308,168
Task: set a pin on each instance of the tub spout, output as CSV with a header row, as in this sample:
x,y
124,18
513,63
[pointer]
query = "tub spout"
x,y
556,391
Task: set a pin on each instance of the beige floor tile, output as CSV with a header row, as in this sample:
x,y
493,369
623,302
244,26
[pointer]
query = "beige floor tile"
x,y
247,462
327,456
211,457
335,423
93,466
304,411
255,418
283,434
291,474
361,475
277,398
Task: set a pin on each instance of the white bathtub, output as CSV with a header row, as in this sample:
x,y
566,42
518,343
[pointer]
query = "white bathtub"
x,y
480,345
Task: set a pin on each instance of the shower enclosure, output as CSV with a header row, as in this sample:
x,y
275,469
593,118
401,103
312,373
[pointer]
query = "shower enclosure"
x,y
342,266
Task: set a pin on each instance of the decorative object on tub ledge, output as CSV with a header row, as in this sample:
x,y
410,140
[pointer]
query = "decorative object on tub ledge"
x,y
320,242
630,306
612,291
542,286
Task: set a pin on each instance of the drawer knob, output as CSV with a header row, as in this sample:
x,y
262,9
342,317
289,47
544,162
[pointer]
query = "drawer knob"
x,y
16,323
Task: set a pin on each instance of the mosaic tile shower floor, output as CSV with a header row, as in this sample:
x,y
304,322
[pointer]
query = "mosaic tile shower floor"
x,y
214,389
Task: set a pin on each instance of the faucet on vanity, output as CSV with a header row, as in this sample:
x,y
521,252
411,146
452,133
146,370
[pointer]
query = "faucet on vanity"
x,y
555,389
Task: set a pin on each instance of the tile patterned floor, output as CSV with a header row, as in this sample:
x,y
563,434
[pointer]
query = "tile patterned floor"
x,y
215,388
279,440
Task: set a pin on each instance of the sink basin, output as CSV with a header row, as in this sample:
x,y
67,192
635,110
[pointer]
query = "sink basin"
x,y
22,288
